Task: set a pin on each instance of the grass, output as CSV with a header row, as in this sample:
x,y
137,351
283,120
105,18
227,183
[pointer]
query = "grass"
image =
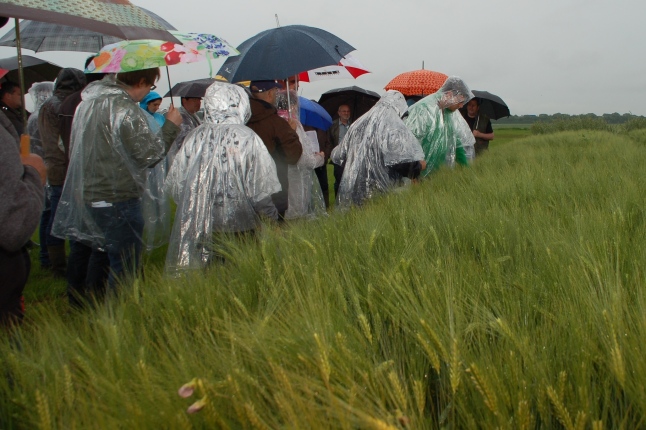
x,y
509,294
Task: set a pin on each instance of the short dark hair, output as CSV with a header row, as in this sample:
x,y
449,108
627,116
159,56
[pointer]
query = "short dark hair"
x,y
7,87
149,76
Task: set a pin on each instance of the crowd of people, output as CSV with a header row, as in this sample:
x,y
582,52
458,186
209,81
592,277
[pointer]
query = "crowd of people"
x,y
114,162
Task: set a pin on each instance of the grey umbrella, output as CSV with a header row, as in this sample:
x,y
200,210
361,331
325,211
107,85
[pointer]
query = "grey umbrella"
x,y
40,36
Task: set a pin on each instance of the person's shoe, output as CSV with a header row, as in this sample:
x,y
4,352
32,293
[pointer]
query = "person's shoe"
x,y
58,260
32,245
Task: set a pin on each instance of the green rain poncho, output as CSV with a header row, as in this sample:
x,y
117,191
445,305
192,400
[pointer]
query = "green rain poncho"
x,y
442,132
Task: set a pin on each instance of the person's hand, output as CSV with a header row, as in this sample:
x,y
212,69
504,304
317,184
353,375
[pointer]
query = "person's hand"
x,y
423,163
37,163
476,133
293,123
174,116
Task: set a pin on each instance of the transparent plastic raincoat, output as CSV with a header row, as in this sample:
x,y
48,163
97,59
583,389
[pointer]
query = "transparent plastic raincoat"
x,y
112,149
39,92
443,133
372,149
222,179
156,202
305,198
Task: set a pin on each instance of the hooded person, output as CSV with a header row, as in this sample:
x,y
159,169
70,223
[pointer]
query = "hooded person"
x,y
305,198
112,147
440,128
40,92
155,203
222,180
378,151
151,104
56,157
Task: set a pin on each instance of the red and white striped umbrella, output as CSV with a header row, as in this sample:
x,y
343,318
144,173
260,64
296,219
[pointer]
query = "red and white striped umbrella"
x,y
348,68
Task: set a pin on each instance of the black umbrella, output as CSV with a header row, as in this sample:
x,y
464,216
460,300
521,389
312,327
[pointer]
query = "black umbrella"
x,y
34,69
283,52
196,88
491,105
359,100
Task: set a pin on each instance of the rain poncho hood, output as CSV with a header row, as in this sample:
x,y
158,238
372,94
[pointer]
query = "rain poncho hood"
x,y
375,142
152,96
444,134
112,148
40,92
69,80
305,198
222,179
56,155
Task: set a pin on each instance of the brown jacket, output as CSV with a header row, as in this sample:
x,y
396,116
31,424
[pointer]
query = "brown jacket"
x,y
281,142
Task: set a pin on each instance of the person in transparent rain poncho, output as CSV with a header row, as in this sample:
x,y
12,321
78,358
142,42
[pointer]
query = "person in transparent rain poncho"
x,y
155,202
112,149
440,128
378,151
39,92
305,198
222,180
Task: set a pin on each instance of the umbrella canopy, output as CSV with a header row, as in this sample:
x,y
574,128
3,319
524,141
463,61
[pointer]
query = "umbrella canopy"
x,y
127,56
418,82
313,114
40,36
118,18
359,100
34,69
195,88
348,68
3,72
283,52
491,105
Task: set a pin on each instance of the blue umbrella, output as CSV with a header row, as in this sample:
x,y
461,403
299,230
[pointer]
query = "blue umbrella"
x,y
283,52
313,114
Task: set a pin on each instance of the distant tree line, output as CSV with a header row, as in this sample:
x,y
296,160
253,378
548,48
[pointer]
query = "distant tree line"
x,y
610,118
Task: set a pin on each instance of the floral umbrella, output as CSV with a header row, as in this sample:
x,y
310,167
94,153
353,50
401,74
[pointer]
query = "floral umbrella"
x,y
127,56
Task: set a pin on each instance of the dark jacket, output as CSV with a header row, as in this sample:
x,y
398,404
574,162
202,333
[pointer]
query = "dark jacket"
x,y
68,81
15,116
66,115
281,142
21,192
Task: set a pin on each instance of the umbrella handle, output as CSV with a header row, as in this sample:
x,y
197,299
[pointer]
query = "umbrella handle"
x,y
25,145
170,89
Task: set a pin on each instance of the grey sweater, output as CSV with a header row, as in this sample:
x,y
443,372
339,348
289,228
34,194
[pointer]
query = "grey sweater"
x,y
21,192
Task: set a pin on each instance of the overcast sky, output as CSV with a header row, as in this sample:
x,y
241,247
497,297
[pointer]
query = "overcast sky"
x,y
552,56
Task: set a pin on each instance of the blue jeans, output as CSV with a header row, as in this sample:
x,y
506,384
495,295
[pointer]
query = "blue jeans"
x,y
87,272
55,192
123,226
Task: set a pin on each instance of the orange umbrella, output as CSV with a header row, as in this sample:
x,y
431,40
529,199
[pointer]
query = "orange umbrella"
x,y
418,82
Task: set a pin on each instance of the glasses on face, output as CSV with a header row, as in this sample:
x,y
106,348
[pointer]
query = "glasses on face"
x,y
152,88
